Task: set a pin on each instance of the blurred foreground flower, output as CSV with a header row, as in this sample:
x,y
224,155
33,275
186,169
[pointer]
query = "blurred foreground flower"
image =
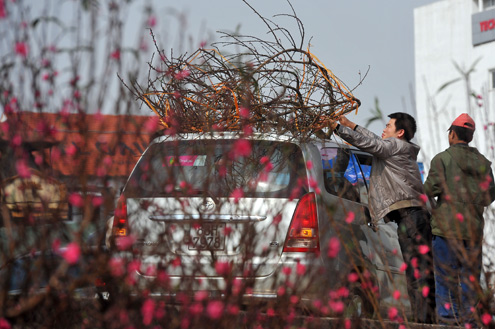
x,y
72,253
215,309
333,247
147,311
21,49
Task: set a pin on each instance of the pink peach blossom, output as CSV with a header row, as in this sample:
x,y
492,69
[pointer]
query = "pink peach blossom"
x,y
196,308
97,201
396,294
72,253
350,217
352,277
237,194
17,140
176,262
343,292
152,21
182,74
21,49
125,242
317,304
300,269
424,249
244,112
4,324
485,185
151,125
163,277
71,150
459,217
116,266
313,182
76,200
425,291
242,148
200,295
227,230
486,318
215,309
337,306
133,266
147,311
333,247
115,55
56,245
22,168
248,130
151,270
392,313
222,268
3,14
233,309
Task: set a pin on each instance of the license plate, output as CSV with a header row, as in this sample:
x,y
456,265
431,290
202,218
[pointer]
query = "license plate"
x,y
206,237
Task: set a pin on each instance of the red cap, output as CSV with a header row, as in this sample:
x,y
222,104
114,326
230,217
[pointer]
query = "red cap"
x,y
465,121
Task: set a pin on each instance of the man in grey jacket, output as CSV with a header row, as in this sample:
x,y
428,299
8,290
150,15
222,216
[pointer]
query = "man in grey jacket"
x,y
396,194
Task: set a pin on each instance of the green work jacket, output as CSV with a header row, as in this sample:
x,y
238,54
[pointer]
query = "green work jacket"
x,y
460,185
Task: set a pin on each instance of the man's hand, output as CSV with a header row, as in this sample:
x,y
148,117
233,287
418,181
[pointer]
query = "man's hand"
x,y
332,124
327,122
346,122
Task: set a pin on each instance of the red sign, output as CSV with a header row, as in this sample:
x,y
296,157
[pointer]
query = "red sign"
x,y
487,25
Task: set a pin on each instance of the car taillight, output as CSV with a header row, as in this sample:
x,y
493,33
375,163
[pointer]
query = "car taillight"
x,y
120,218
303,230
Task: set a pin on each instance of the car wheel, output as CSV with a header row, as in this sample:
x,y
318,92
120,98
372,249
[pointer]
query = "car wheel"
x,y
358,305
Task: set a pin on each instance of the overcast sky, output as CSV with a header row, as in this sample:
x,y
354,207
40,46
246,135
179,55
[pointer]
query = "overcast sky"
x,y
372,41
351,37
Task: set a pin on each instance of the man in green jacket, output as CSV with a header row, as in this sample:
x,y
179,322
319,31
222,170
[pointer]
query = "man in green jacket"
x,y
460,185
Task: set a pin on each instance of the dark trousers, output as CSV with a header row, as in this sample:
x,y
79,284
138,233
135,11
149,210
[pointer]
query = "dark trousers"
x,y
414,231
457,273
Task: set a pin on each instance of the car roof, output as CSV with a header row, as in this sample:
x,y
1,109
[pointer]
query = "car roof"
x,y
255,136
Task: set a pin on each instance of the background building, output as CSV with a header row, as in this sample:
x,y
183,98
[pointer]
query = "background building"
x,y
455,70
455,73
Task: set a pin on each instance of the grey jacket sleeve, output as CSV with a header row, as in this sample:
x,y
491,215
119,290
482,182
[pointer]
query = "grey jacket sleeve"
x,y
366,141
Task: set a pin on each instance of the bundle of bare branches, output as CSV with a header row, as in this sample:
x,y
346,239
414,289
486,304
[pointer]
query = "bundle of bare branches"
x,y
263,84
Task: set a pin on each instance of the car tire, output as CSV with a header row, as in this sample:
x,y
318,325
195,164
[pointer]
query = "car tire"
x,y
358,305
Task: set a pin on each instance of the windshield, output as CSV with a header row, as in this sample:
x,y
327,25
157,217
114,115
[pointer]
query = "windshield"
x,y
218,168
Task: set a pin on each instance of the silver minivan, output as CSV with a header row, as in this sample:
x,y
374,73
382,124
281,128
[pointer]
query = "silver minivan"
x,y
261,216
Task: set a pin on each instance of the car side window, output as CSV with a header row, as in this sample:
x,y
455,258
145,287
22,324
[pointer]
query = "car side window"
x,y
363,161
340,173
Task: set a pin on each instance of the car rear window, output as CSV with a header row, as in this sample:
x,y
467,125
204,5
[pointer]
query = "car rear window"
x,y
219,168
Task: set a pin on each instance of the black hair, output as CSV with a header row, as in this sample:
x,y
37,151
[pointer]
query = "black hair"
x,y
464,134
406,122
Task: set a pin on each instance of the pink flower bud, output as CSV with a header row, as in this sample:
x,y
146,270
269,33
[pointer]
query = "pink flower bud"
x,y
72,253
